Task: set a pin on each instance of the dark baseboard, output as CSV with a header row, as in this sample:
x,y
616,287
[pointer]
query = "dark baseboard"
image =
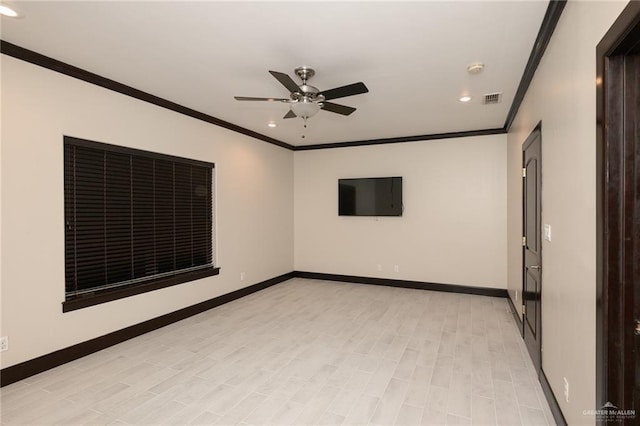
x,y
419,285
516,315
38,365
551,400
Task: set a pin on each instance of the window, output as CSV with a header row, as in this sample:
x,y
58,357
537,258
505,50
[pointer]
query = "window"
x,y
136,221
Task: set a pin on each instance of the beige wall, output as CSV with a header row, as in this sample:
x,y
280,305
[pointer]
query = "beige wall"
x,y
453,228
253,203
563,96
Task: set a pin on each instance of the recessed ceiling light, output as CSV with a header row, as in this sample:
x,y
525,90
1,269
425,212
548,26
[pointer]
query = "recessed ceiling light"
x,y
9,11
464,98
272,124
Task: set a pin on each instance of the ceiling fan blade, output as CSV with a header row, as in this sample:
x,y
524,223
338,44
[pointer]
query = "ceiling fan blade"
x,y
249,98
290,114
337,108
348,90
286,81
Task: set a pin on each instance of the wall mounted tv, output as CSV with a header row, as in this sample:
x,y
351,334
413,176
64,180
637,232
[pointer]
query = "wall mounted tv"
x,y
370,196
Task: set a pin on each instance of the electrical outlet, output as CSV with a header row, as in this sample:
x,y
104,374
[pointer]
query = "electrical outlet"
x,y
566,389
241,276
396,268
4,343
379,267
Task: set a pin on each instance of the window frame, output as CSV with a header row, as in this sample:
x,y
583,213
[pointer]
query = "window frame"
x,y
103,295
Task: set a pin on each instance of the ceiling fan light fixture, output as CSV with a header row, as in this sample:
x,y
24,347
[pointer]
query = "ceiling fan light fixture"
x,y
305,108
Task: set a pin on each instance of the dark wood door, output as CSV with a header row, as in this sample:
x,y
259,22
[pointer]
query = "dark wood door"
x,y
623,236
618,224
632,120
532,245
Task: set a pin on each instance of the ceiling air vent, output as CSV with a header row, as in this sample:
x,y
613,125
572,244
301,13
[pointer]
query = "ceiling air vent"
x,y
491,98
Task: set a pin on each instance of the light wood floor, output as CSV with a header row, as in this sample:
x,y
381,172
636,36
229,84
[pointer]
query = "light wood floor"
x,y
303,352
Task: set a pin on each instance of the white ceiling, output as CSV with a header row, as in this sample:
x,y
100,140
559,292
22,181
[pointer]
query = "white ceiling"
x,y
411,55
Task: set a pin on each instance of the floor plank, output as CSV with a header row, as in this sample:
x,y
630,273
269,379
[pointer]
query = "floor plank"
x,y
303,352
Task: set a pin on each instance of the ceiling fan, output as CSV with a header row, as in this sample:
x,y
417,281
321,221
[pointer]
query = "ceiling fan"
x,y
305,100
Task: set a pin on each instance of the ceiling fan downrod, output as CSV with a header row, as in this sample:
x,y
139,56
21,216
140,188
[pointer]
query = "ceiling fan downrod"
x,y
305,73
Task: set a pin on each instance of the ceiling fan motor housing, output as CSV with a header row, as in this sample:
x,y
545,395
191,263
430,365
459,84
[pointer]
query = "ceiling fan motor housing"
x,y
311,93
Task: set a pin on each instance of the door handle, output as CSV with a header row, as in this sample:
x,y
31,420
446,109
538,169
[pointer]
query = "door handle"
x,y
535,267
637,330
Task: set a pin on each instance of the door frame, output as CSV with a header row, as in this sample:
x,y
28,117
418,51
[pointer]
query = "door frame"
x,y
535,133
615,277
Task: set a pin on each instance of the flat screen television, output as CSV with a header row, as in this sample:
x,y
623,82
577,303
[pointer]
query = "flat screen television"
x,y
370,196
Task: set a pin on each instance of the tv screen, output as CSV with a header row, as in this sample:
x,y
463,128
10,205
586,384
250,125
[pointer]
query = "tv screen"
x,y
370,196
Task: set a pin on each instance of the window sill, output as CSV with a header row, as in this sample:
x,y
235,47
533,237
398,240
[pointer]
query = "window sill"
x,y
104,296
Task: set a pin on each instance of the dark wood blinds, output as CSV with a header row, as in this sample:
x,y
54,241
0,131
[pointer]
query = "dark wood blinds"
x,y
133,217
